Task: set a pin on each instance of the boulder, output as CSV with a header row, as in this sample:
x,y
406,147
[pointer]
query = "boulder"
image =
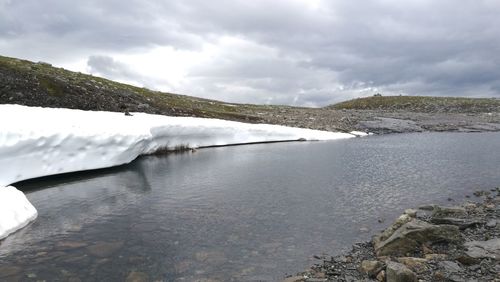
x,y
398,272
410,236
484,249
371,267
404,218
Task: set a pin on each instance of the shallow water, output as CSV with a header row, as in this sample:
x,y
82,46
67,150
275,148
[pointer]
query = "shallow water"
x,y
245,213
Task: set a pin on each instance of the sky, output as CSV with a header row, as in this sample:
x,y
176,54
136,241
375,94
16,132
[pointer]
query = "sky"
x,y
293,52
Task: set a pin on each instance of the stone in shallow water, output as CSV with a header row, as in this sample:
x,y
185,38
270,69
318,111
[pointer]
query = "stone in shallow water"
x,y
105,249
211,257
66,245
135,276
8,270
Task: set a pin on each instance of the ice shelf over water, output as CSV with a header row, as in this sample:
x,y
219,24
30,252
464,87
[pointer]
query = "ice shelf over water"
x,y
38,142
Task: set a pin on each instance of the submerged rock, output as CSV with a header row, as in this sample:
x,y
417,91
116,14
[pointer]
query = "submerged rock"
x,y
135,276
7,270
105,249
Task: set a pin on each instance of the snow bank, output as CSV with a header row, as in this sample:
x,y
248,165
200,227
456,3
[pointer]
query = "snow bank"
x,y
37,142
15,210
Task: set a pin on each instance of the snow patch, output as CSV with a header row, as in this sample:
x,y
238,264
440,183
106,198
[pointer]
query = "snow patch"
x,y
38,142
360,133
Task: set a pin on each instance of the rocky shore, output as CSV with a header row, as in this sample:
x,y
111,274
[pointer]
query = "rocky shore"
x,y
431,243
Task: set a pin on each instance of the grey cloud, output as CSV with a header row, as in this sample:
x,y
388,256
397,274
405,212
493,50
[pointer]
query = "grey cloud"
x,y
337,51
106,66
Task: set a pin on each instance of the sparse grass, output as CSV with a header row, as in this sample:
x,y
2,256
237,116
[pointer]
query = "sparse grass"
x,y
52,87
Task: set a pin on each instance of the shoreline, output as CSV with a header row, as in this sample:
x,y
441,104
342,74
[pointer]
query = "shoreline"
x,y
429,243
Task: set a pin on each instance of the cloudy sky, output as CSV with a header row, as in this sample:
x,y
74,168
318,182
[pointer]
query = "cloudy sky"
x,y
296,52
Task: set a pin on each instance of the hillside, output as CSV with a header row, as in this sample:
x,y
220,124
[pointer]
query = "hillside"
x,y
422,104
40,84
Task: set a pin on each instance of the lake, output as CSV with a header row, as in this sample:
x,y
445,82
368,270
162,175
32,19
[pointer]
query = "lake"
x,y
243,213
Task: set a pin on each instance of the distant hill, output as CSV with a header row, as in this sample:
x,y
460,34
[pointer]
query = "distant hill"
x,y
423,104
40,84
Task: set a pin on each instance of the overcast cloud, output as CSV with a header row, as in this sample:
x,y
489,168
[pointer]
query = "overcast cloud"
x,y
297,52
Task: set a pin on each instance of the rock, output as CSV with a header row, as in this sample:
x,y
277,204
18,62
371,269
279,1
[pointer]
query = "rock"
x,y
371,267
466,260
427,207
8,270
381,276
409,237
435,256
461,223
397,272
491,223
135,276
448,212
404,218
211,257
427,249
484,249
364,229
411,212
66,245
417,265
450,266
294,279
439,276
104,249
458,278
183,266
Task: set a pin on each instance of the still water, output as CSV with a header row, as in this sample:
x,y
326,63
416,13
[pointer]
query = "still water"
x,y
245,213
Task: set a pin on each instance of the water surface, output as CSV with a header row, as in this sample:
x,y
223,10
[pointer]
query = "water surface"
x,y
245,213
